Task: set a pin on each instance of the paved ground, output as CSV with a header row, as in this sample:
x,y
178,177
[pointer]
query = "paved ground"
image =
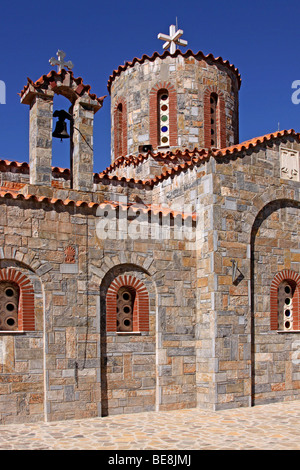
x,y
269,427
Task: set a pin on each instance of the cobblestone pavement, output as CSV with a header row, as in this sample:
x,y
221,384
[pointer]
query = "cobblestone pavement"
x,y
268,427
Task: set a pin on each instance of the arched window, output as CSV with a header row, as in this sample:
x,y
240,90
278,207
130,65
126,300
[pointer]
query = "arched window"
x,y
213,119
163,114
9,305
16,301
285,290
120,129
127,305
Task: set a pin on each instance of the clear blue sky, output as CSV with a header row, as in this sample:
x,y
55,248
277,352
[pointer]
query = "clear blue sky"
x,y
261,38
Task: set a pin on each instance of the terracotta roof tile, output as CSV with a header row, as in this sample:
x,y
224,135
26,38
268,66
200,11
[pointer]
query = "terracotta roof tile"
x,y
171,156
199,55
191,158
49,78
157,209
255,142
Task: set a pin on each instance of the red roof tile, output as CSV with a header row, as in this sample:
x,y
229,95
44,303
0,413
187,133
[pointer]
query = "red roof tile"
x,y
191,158
255,142
48,80
170,156
156,209
199,55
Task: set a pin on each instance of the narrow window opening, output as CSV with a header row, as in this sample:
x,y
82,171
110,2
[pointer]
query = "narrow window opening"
x,y
163,118
125,308
119,129
213,119
285,304
9,305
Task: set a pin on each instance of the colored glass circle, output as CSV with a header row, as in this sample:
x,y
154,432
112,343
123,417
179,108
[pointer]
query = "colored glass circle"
x,y
164,97
164,129
164,140
164,107
164,118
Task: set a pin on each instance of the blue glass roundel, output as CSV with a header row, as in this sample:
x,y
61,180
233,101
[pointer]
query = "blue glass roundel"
x,y
164,129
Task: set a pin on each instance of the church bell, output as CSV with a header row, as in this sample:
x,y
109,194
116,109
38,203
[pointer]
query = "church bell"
x,y
60,130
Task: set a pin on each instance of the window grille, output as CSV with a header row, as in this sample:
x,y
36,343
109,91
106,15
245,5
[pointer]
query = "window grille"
x,y
9,305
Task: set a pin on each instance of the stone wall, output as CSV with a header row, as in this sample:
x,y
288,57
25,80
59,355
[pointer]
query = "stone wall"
x,y
66,357
256,227
209,344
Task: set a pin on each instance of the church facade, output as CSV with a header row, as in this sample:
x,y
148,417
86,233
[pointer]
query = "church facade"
x,y
169,280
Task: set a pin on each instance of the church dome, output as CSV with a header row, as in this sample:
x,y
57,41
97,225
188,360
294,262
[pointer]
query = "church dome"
x,y
173,101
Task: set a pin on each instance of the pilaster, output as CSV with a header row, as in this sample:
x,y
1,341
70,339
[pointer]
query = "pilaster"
x,y
82,154
40,140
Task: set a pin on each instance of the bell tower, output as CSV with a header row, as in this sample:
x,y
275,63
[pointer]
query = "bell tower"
x,y
39,96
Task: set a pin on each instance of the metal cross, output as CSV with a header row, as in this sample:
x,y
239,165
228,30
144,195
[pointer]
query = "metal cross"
x,y
172,39
60,61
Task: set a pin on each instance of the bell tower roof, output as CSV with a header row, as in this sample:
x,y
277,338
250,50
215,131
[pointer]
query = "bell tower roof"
x,y
63,83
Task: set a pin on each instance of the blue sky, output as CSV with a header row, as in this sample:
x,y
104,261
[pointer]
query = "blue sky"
x,y
261,38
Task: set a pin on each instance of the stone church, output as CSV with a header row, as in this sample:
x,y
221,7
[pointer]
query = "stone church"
x,y
170,279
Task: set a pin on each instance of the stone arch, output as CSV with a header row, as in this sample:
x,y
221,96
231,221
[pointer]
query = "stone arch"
x,y
28,336
260,201
132,354
143,263
274,246
28,260
61,83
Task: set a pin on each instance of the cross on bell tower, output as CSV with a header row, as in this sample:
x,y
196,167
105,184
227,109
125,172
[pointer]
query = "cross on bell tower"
x,y
60,61
172,39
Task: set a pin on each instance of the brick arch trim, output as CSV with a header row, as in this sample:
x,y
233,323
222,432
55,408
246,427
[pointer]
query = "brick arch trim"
x,y
221,117
120,150
285,275
141,306
153,114
26,317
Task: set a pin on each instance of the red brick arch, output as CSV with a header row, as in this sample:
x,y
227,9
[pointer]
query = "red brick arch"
x,y
153,117
141,305
26,317
285,275
120,144
221,117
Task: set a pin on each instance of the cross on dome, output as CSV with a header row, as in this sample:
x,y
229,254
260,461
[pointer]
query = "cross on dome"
x,y
172,39
60,61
